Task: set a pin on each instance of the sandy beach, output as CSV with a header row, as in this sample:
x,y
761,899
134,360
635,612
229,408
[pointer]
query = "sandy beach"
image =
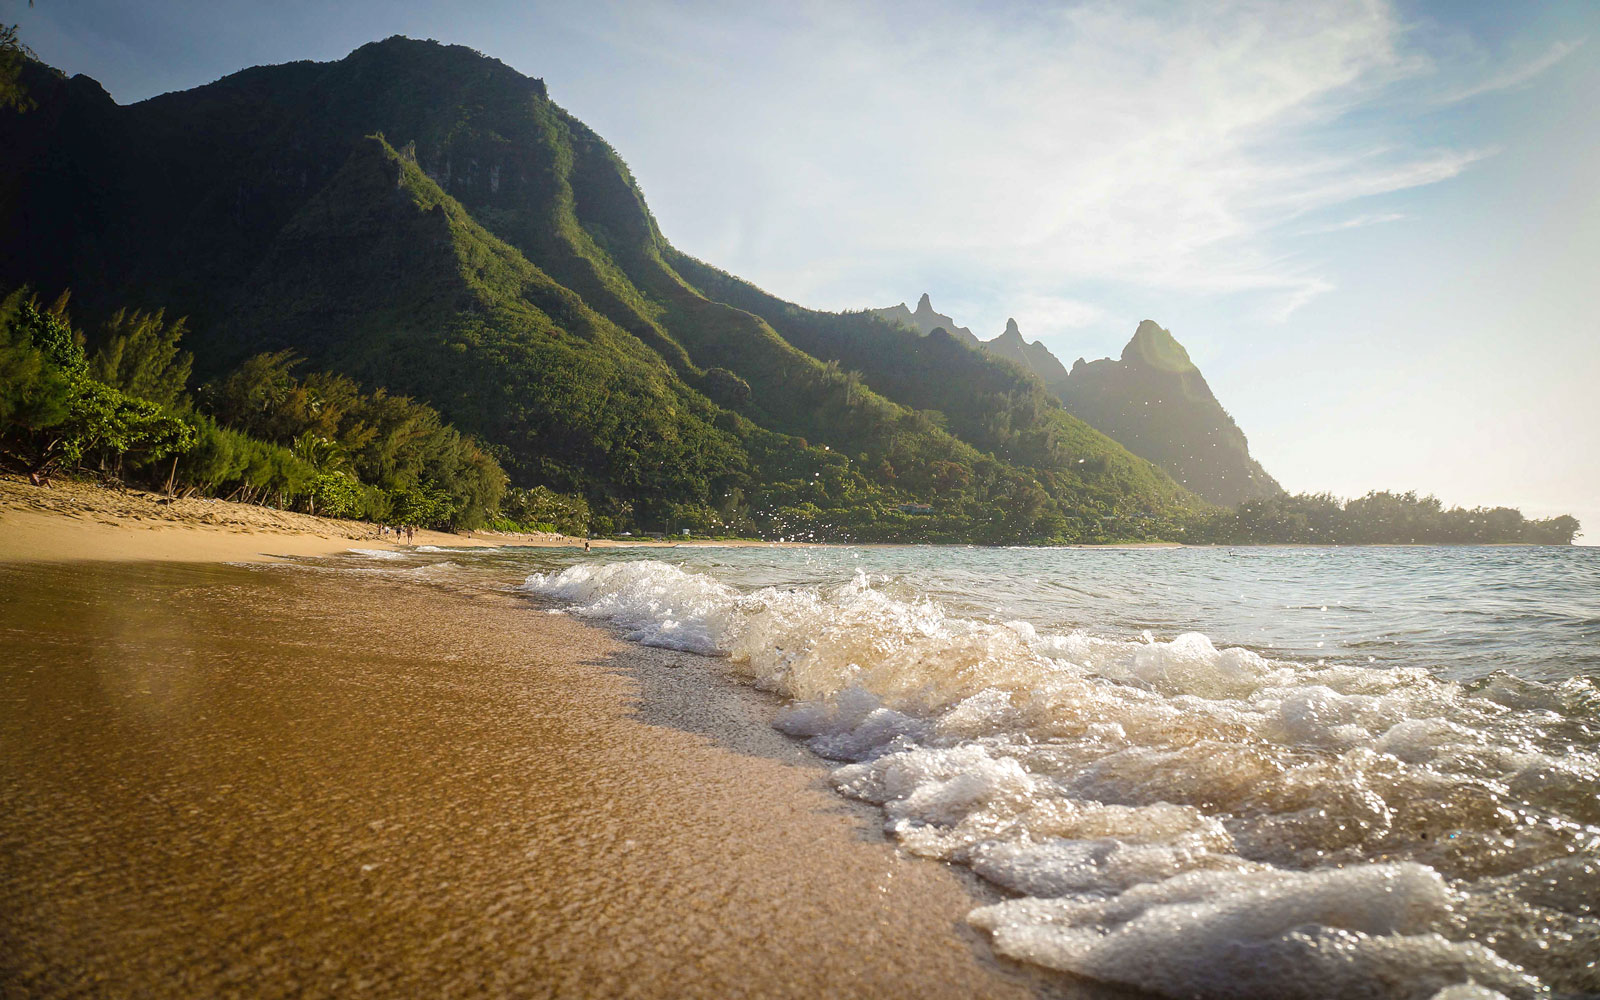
x,y
221,780
77,521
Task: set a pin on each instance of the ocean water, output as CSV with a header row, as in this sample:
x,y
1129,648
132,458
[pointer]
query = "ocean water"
x,y
1288,772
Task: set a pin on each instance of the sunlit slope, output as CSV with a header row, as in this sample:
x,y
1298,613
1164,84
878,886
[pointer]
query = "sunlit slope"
x,y
983,399
492,255
384,276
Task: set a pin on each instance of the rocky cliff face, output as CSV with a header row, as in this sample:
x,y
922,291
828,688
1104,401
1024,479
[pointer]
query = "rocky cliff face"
x,y
1158,405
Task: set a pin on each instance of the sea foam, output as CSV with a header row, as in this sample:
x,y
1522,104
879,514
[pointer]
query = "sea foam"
x,y
1188,819
383,554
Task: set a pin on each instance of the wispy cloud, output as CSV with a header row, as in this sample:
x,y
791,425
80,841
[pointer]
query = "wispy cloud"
x,y
1035,150
1280,307
1511,77
1356,222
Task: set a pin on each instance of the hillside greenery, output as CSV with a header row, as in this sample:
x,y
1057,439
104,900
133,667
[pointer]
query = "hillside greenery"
x,y
260,435
408,270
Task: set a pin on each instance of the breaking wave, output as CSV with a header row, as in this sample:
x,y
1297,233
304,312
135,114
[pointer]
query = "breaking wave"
x,y
1187,819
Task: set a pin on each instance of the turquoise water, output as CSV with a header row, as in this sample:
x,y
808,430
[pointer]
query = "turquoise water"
x,y
1286,772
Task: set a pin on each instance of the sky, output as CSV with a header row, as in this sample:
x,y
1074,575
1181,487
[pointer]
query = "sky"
x,y
1375,226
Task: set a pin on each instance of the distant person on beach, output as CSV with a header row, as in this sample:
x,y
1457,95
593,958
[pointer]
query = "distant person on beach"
x,y
586,545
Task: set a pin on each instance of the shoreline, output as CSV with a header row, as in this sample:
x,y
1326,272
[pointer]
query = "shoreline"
x,y
76,521
299,779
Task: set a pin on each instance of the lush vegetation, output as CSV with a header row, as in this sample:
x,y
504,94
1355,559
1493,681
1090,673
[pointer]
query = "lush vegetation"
x,y
1379,518
376,456
54,415
260,435
488,292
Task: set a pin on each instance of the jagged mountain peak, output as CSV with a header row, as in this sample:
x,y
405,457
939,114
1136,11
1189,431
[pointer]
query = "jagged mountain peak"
x,y
1034,357
1155,401
1155,347
925,320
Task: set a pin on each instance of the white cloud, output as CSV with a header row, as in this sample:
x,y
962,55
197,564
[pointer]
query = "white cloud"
x,y
1511,77
838,149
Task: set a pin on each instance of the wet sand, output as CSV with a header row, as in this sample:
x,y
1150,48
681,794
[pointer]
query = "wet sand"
x,y
264,782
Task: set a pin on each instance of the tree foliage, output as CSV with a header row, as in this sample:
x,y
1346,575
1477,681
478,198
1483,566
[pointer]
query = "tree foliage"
x,y
13,56
543,509
1379,518
55,414
261,434
139,354
432,473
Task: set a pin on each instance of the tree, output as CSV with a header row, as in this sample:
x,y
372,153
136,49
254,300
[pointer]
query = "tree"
x,y
139,354
13,56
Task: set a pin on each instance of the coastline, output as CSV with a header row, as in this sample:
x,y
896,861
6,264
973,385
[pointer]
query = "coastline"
x,y
75,521
294,780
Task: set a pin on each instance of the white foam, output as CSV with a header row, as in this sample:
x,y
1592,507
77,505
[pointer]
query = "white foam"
x,y
378,553
1185,818
1344,932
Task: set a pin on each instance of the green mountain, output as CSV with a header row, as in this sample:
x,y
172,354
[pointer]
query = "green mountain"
x,y
1155,401
425,219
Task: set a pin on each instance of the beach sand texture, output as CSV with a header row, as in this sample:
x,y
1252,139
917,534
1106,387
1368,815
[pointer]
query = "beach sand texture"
x,y
80,521
226,781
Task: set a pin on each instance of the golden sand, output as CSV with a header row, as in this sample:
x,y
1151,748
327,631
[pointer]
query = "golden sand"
x,y
81,521
226,781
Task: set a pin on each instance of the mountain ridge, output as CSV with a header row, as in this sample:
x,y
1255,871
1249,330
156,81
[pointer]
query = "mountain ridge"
x,y
1153,401
1035,357
425,217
